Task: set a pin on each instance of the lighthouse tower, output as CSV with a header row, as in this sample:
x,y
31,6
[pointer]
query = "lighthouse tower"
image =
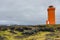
x,y
51,15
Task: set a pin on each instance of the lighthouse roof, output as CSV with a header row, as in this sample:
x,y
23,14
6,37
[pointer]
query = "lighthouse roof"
x,y
51,6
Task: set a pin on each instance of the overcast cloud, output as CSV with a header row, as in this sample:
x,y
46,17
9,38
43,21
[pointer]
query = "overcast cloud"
x,y
27,12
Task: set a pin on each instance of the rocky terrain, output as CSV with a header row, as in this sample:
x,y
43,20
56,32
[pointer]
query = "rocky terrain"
x,y
37,32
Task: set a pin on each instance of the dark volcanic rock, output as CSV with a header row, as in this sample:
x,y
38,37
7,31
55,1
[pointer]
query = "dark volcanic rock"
x,y
3,38
19,29
13,32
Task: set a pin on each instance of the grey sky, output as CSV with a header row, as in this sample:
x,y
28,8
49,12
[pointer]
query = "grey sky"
x,y
27,12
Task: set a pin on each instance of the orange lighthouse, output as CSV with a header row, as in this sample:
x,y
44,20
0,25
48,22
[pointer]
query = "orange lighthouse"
x,y
51,15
